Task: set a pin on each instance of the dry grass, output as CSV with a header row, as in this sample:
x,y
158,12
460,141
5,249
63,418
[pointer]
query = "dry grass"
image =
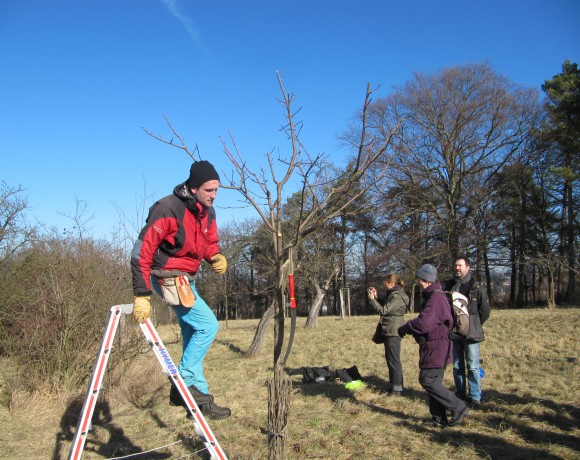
x,y
530,388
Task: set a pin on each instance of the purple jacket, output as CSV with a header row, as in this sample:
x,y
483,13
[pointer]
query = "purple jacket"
x,y
431,329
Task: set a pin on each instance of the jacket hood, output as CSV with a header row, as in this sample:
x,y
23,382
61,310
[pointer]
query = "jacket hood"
x,y
182,192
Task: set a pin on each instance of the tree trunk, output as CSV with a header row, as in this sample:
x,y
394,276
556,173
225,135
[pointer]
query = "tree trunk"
x,y
571,251
551,290
532,282
487,275
514,267
279,386
412,301
314,310
226,303
521,254
257,344
453,236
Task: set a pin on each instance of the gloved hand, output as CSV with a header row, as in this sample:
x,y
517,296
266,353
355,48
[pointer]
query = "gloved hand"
x,y
401,332
421,340
142,308
219,264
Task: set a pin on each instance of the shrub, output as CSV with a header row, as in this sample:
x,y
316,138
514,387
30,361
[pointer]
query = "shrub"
x,y
57,294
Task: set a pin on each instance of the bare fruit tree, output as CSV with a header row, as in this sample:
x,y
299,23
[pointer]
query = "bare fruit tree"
x,y
325,194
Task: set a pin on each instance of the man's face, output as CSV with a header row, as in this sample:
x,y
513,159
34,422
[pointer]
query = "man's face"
x,y
461,268
206,192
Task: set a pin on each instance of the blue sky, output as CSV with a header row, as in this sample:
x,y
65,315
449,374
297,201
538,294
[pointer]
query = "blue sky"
x,y
80,80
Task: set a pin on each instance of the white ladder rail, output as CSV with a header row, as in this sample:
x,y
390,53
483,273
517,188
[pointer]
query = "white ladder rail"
x,y
200,424
201,427
96,381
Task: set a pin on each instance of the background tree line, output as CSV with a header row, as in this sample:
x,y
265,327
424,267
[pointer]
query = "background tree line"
x,y
480,166
474,164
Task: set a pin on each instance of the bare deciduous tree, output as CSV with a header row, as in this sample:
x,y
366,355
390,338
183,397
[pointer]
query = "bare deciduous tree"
x,y
462,125
15,233
325,194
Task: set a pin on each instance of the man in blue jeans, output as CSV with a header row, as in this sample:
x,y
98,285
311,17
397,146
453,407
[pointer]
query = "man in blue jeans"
x,y
179,233
466,350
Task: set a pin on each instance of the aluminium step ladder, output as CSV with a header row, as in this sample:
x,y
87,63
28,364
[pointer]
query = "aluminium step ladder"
x,y
201,427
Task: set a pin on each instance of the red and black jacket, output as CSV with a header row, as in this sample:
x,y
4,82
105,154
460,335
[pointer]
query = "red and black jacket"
x,y
179,233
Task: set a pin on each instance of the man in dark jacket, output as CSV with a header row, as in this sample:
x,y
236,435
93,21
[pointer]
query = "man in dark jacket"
x,y
431,331
466,350
179,233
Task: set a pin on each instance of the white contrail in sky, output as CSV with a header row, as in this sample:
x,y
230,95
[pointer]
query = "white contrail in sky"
x,y
175,9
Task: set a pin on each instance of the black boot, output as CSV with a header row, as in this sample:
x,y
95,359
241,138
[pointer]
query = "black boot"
x,y
458,417
436,422
200,398
212,410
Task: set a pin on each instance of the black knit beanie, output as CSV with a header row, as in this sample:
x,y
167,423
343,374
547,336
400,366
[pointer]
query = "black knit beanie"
x,y
200,172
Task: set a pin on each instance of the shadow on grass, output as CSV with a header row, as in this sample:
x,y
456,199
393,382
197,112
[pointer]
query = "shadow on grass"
x,y
494,447
193,444
487,446
335,389
495,410
535,435
381,385
501,419
294,371
231,346
564,416
117,445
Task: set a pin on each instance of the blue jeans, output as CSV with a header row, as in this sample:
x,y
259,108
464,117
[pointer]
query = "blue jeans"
x,y
466,355
199,327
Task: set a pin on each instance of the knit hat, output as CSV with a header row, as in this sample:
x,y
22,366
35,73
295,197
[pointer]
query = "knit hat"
x,y
201,172
428,273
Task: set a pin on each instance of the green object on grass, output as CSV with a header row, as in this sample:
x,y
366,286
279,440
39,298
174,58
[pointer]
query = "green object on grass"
x,y
354,385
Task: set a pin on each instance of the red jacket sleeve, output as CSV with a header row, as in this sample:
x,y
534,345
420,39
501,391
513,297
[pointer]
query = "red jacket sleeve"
x,y
144,250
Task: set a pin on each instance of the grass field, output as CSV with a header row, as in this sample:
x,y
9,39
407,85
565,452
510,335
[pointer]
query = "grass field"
x,y
531,404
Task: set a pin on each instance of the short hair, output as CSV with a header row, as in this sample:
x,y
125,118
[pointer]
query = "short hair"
x,y
392,278
464,257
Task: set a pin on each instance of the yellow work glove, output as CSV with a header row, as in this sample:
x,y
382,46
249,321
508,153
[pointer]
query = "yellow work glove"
x,y
142,308
219,264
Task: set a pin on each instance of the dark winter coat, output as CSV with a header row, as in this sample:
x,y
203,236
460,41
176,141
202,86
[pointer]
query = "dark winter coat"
x,y
179,233
392,311
431,329
479,308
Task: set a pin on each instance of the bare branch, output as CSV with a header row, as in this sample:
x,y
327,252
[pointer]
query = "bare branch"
x,y
183,146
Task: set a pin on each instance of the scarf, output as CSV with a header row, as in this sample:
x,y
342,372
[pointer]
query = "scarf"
x,y
460,282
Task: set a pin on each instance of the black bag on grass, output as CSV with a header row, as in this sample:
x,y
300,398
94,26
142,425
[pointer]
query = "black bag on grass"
x,y
317,374
348,375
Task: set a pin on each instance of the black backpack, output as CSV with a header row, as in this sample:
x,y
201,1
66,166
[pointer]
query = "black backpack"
x,y
325,374
317,374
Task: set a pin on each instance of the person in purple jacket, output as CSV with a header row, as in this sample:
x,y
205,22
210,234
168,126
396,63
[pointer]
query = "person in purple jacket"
x,y
431,331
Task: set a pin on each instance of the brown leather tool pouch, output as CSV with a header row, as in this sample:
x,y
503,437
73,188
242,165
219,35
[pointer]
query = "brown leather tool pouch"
x,y
177,291
186,295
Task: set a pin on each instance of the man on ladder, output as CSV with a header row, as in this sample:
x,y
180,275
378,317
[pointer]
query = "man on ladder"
x,y
179,233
